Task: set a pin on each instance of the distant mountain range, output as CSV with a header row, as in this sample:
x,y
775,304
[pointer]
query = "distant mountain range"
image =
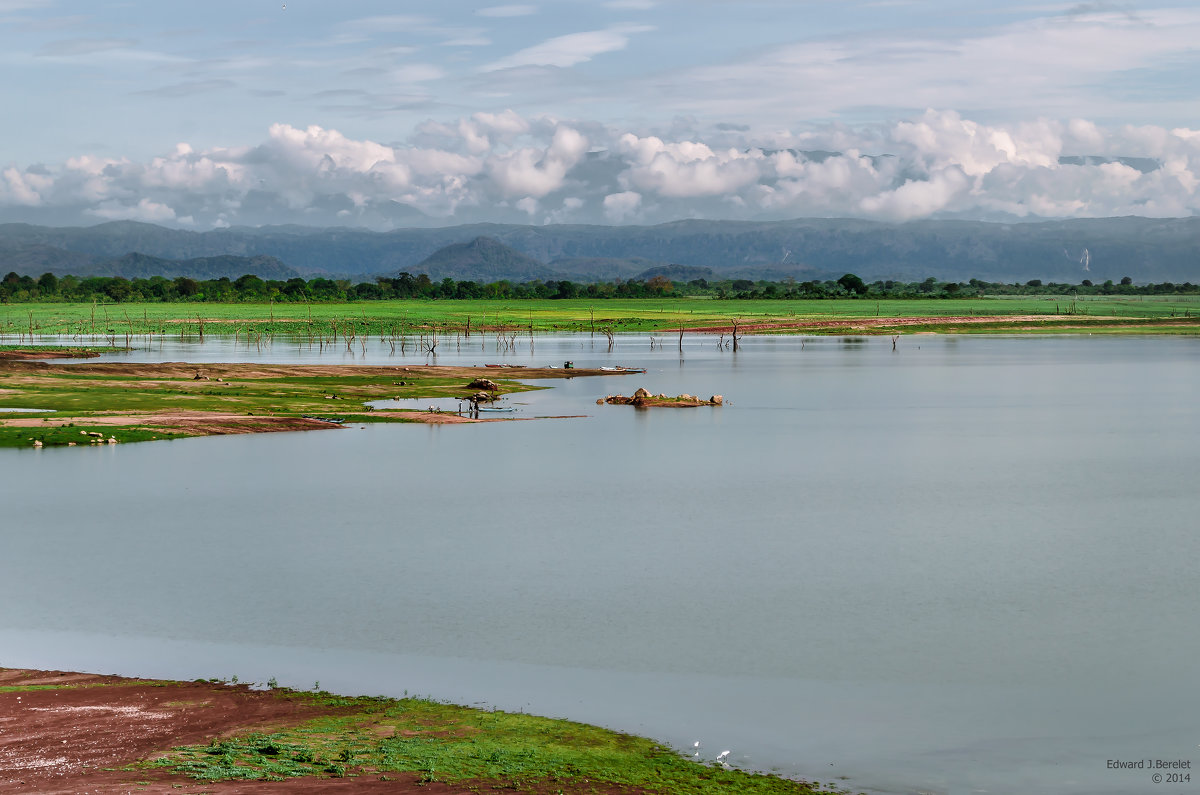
x,y
486,259
143,266
1146,249
38,259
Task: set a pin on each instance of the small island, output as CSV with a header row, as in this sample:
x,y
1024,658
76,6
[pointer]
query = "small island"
x,y
643,398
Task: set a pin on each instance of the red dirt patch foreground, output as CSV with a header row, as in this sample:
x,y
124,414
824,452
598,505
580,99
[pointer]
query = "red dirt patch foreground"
x,y
59,740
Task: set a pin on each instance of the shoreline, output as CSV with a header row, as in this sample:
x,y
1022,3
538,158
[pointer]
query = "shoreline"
x,y
67,732
16,354
94,402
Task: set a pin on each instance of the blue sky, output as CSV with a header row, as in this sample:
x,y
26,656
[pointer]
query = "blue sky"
x,y
626,111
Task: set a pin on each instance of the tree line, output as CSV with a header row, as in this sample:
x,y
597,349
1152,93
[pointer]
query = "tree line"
x,y
252,289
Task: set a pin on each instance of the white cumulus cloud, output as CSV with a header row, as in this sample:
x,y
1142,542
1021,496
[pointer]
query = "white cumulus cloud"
x,y
536,172
23,187
512,168
688,168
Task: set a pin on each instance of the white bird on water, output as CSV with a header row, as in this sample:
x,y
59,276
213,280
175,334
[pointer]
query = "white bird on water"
x,y
721,757
696,745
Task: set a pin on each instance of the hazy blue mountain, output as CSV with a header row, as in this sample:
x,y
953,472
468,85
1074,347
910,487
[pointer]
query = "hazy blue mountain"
x,y
484,259
143,266
35,260
676,273
1146,249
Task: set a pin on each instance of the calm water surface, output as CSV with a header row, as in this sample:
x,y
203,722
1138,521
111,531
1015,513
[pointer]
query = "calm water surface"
x,y
966,566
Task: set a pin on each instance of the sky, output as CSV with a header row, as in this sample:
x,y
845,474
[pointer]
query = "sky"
x,y
389,114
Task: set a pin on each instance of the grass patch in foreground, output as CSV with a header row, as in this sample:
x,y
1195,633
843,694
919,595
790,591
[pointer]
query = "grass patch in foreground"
x,y
459,745
66,435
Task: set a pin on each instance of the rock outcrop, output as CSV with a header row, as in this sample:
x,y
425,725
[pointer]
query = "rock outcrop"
x,y
645,398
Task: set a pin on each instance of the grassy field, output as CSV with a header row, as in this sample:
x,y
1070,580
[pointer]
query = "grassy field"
x,y
318,735
458,745
115,322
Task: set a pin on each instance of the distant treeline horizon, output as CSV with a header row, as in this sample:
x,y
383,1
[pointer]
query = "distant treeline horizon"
x,y
251,289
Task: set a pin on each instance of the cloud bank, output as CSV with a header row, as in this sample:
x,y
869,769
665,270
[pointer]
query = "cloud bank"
x,y
506,167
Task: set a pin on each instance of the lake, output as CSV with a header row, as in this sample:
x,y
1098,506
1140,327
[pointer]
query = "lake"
x,y
966,565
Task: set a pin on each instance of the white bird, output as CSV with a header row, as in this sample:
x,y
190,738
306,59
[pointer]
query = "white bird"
x,y
696,745
721,757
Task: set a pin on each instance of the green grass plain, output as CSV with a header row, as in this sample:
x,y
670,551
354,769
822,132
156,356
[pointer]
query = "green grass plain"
x,y
389,318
